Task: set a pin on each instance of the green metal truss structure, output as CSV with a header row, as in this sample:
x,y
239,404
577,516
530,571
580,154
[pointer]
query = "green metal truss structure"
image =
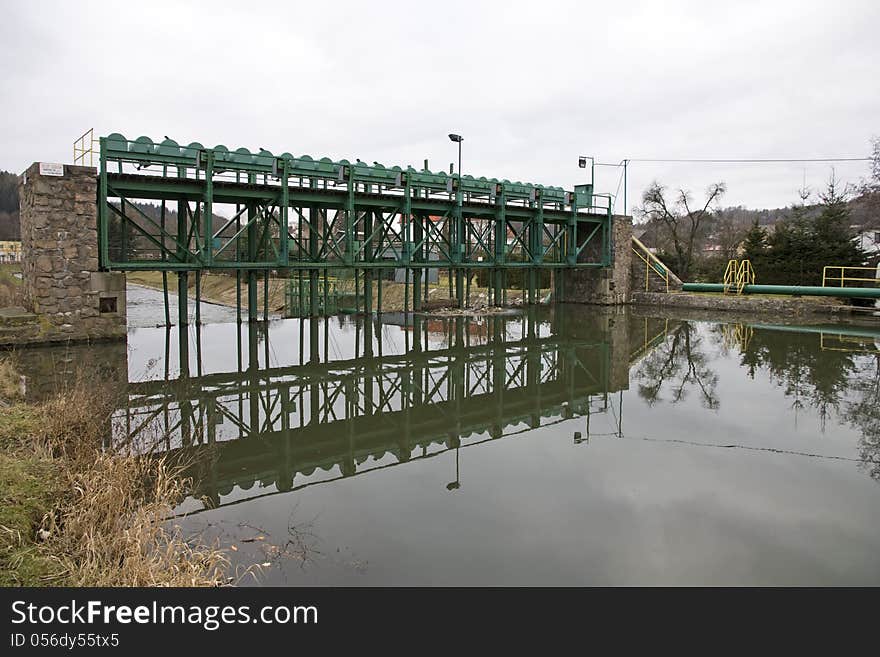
x,y
253,212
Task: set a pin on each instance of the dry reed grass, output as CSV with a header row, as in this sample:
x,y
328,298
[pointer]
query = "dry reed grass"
x,y
108,526
10,381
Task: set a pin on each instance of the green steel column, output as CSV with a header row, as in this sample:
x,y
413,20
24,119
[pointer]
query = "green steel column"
x,y
379,291
407,239
238,256
103,231
603,244
165,298
536,240
349,219
572,236
500,243
368,350
164,258
198,350
198,296
314,344
182,290
238,295
208,198
284,231
418,257
265,294
253,301
458,245
367,250
314,222
182,281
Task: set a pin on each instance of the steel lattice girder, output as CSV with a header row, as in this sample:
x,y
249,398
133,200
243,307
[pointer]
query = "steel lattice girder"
x,y
418,218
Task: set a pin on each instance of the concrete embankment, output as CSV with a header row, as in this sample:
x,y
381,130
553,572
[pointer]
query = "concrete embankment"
x,y
777,305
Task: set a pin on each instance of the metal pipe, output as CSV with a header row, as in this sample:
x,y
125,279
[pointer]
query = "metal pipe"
x,y
798,290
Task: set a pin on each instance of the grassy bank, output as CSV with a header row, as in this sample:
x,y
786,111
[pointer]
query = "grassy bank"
x,y
216,288
75,513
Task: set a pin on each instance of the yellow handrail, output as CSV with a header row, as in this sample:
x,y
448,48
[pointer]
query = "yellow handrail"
x,y
730,275
85,145
843,278
652,263
737,275
745,275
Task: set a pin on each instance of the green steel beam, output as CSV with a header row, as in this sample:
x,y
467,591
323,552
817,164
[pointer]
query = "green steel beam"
x,y
381,217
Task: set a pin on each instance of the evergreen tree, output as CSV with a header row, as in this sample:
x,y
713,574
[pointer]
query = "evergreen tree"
x,y
755,243
800,247
832,231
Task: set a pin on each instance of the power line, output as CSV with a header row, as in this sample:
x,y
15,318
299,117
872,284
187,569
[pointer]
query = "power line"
x,y
752,160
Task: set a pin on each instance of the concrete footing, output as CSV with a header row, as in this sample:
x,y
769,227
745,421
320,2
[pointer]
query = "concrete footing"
x,y
603,285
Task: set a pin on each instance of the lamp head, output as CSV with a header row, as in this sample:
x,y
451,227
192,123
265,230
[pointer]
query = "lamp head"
x,y
455,137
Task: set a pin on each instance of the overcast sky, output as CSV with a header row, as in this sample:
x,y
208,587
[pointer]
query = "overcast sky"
x,y
530,85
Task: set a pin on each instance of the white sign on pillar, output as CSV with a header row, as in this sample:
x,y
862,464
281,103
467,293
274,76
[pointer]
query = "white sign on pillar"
x,y
51,169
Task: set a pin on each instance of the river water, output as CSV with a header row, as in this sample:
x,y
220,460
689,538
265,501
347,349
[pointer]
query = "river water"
x,y
562,446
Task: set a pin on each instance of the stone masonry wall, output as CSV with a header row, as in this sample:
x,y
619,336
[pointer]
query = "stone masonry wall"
x,y
781,306
62,284
608,285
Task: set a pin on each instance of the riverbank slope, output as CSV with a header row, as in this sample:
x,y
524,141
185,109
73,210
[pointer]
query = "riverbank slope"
x,y
74,513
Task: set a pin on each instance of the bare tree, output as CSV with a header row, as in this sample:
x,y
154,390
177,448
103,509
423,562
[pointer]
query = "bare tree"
x,y
682,224
730,228
866,207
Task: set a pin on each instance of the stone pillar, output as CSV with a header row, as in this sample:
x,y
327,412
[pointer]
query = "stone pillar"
x,y
59,234
607,285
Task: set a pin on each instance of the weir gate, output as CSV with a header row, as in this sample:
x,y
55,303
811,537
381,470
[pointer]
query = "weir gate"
x,y
174,208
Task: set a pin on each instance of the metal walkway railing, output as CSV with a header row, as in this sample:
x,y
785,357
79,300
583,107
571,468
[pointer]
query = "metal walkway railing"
x,y
737,275
85,147
838,276
652,264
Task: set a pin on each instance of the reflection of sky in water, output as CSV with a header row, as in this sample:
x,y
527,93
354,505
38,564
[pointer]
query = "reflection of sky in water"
x,y
676,500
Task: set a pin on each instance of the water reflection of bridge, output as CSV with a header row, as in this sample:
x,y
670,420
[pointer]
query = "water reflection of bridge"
x,y
451,387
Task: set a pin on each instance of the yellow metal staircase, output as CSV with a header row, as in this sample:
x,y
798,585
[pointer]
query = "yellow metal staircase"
x,y
656,271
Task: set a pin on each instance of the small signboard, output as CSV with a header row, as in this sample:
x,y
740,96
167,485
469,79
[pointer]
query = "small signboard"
x,y
51,169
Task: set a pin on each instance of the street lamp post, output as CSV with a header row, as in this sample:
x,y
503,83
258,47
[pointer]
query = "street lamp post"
x,y
459,139
458,229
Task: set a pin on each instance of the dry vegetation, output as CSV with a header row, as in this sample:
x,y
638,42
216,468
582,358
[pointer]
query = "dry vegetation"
x,y
75,513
